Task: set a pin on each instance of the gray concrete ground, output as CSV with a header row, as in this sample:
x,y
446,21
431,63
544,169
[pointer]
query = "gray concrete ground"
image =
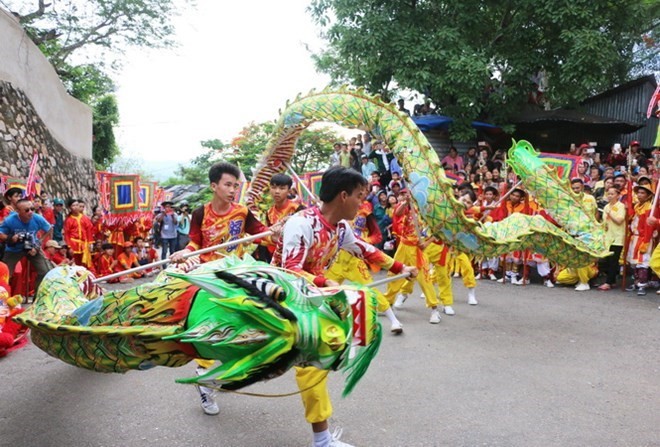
x,y
528,366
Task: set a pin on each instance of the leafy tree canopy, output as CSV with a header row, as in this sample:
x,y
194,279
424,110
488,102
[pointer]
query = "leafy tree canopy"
x,y
313,150
477,59
97,32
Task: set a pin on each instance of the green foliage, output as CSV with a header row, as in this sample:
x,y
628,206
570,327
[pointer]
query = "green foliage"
x,y
313,150
67,27
475,59
104,146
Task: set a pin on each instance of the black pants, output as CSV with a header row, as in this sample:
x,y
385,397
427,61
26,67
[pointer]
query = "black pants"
x,y
612,264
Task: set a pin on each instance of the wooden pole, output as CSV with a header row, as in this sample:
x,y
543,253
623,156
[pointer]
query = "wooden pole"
x,y
193,253
502,199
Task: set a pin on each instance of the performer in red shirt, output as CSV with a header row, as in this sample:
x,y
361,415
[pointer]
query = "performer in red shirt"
x,y
283,207
219,221
310,242
79,234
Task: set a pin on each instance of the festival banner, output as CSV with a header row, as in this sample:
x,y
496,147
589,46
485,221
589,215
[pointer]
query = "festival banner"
x,y
565,164
146,194
124,199
242,191
313,182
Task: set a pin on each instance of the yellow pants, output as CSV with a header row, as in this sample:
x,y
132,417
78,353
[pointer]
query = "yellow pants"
x,y
654,263
206,364
316,400
411,255
351,268
441,275
464,266
569,277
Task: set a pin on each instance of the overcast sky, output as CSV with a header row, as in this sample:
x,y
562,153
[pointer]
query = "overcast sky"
x,y
237,62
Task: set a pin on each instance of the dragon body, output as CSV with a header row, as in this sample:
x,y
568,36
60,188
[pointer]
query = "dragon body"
x,y
258,320
255,319
575,242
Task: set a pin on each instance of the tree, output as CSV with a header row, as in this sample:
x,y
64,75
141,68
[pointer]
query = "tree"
x,y
104,146
62,28
313,150
479,60
106,24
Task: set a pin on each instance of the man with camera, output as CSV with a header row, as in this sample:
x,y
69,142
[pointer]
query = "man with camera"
x,y
20,231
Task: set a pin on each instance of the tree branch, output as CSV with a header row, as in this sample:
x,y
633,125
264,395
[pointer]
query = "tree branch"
x,y
27,18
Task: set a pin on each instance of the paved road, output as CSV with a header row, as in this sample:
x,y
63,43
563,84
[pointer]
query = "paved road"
x,y
529,366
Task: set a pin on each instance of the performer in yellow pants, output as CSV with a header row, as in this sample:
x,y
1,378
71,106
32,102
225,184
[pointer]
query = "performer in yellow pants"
x,y
316,400
580,276
413,255
351,268
438,255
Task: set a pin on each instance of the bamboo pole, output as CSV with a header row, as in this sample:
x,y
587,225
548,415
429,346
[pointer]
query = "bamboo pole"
x,y
193,253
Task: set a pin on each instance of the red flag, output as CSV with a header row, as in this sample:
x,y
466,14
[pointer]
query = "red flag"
x,y
31,180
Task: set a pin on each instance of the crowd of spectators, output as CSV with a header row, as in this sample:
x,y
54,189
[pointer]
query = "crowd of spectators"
x,y
40,233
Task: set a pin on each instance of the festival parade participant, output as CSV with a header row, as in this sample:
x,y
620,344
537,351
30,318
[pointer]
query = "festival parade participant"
x,y
283,207
410,252
351,268
310,242
219,221
641,240
79,234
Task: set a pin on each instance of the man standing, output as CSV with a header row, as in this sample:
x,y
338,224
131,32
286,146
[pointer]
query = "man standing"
x,y
219,221
168,229
310,242
79,234
21,233
58,226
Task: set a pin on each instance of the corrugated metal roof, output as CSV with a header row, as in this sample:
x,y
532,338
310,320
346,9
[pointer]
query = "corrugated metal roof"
x,y
628,102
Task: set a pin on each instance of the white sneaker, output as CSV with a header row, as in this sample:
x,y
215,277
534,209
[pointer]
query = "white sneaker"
x,y
456,275
581,287
396,328
492,277
422,296
478,276
335,442
400,299
208,404
548,283
519,282
449,310
501,280
472,299
435,317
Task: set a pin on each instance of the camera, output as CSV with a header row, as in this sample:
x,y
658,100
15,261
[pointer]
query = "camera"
x,y
27,239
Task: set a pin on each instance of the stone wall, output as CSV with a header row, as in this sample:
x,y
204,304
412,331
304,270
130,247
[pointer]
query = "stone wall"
x,y
22,132
23,64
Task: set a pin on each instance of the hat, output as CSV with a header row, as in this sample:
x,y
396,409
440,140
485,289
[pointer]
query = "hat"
x,y
11,191
58,202
642,178
635,143
128,244
363,156
584,146
53,244
645,188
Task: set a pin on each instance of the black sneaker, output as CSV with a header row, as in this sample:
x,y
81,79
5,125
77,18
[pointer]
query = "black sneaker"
x,y
641,291
631,288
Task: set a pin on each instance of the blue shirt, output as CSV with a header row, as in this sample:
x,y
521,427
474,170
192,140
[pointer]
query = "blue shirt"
x,y
13,225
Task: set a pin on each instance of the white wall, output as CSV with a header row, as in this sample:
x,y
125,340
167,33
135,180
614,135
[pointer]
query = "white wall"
x,y
22,63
